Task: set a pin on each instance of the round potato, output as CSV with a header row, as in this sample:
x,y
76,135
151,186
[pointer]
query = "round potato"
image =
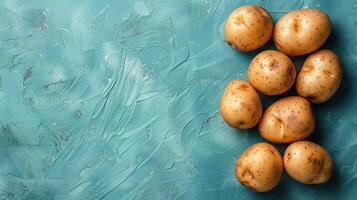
x,y
272,72
248,27
320,76
240,105
287,120
308,163
301,32
260,167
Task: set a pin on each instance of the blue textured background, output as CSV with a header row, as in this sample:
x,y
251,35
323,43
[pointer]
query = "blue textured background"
x,y
120,100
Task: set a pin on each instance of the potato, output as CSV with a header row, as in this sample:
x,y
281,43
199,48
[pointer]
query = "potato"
x,y
240,105
301,32
271,72
308,163
287,120
260,167
320,76
248,27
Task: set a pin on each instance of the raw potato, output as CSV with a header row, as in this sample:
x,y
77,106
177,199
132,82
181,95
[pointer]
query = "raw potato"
x,y
302,31
320,76
308,163
248,27
272,72
287,120
260,167
240,105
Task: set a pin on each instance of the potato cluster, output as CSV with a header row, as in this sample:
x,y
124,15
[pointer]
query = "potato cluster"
x,y
290,119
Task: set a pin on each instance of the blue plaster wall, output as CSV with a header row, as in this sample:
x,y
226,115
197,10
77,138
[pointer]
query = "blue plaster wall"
x,y
119,100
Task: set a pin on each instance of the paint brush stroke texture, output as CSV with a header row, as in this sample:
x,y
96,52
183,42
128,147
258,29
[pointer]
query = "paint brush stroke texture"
x,y
119,100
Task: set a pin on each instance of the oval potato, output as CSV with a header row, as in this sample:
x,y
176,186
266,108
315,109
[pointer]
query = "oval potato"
x,y
248,27
302,31
320,76
308,163
287,120
272,72
240,105
260,167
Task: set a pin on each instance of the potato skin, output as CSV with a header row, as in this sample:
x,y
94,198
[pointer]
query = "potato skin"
x,y
302,31
308,163
287,120
240,105
260,167
272,72
320,76
248,27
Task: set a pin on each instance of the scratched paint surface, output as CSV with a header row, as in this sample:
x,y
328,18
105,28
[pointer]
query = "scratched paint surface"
x,y
119,100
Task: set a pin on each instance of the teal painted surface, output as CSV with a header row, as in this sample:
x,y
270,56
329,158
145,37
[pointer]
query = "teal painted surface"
x,y
119,100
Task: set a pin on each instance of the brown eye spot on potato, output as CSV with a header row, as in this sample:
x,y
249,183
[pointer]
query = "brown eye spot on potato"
x,y
279,125
309,159
317,163
240,20
261,11
297,25
241,123
276,154
244,86
274,65
290,73
247,172
308,68
254,114
329,74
